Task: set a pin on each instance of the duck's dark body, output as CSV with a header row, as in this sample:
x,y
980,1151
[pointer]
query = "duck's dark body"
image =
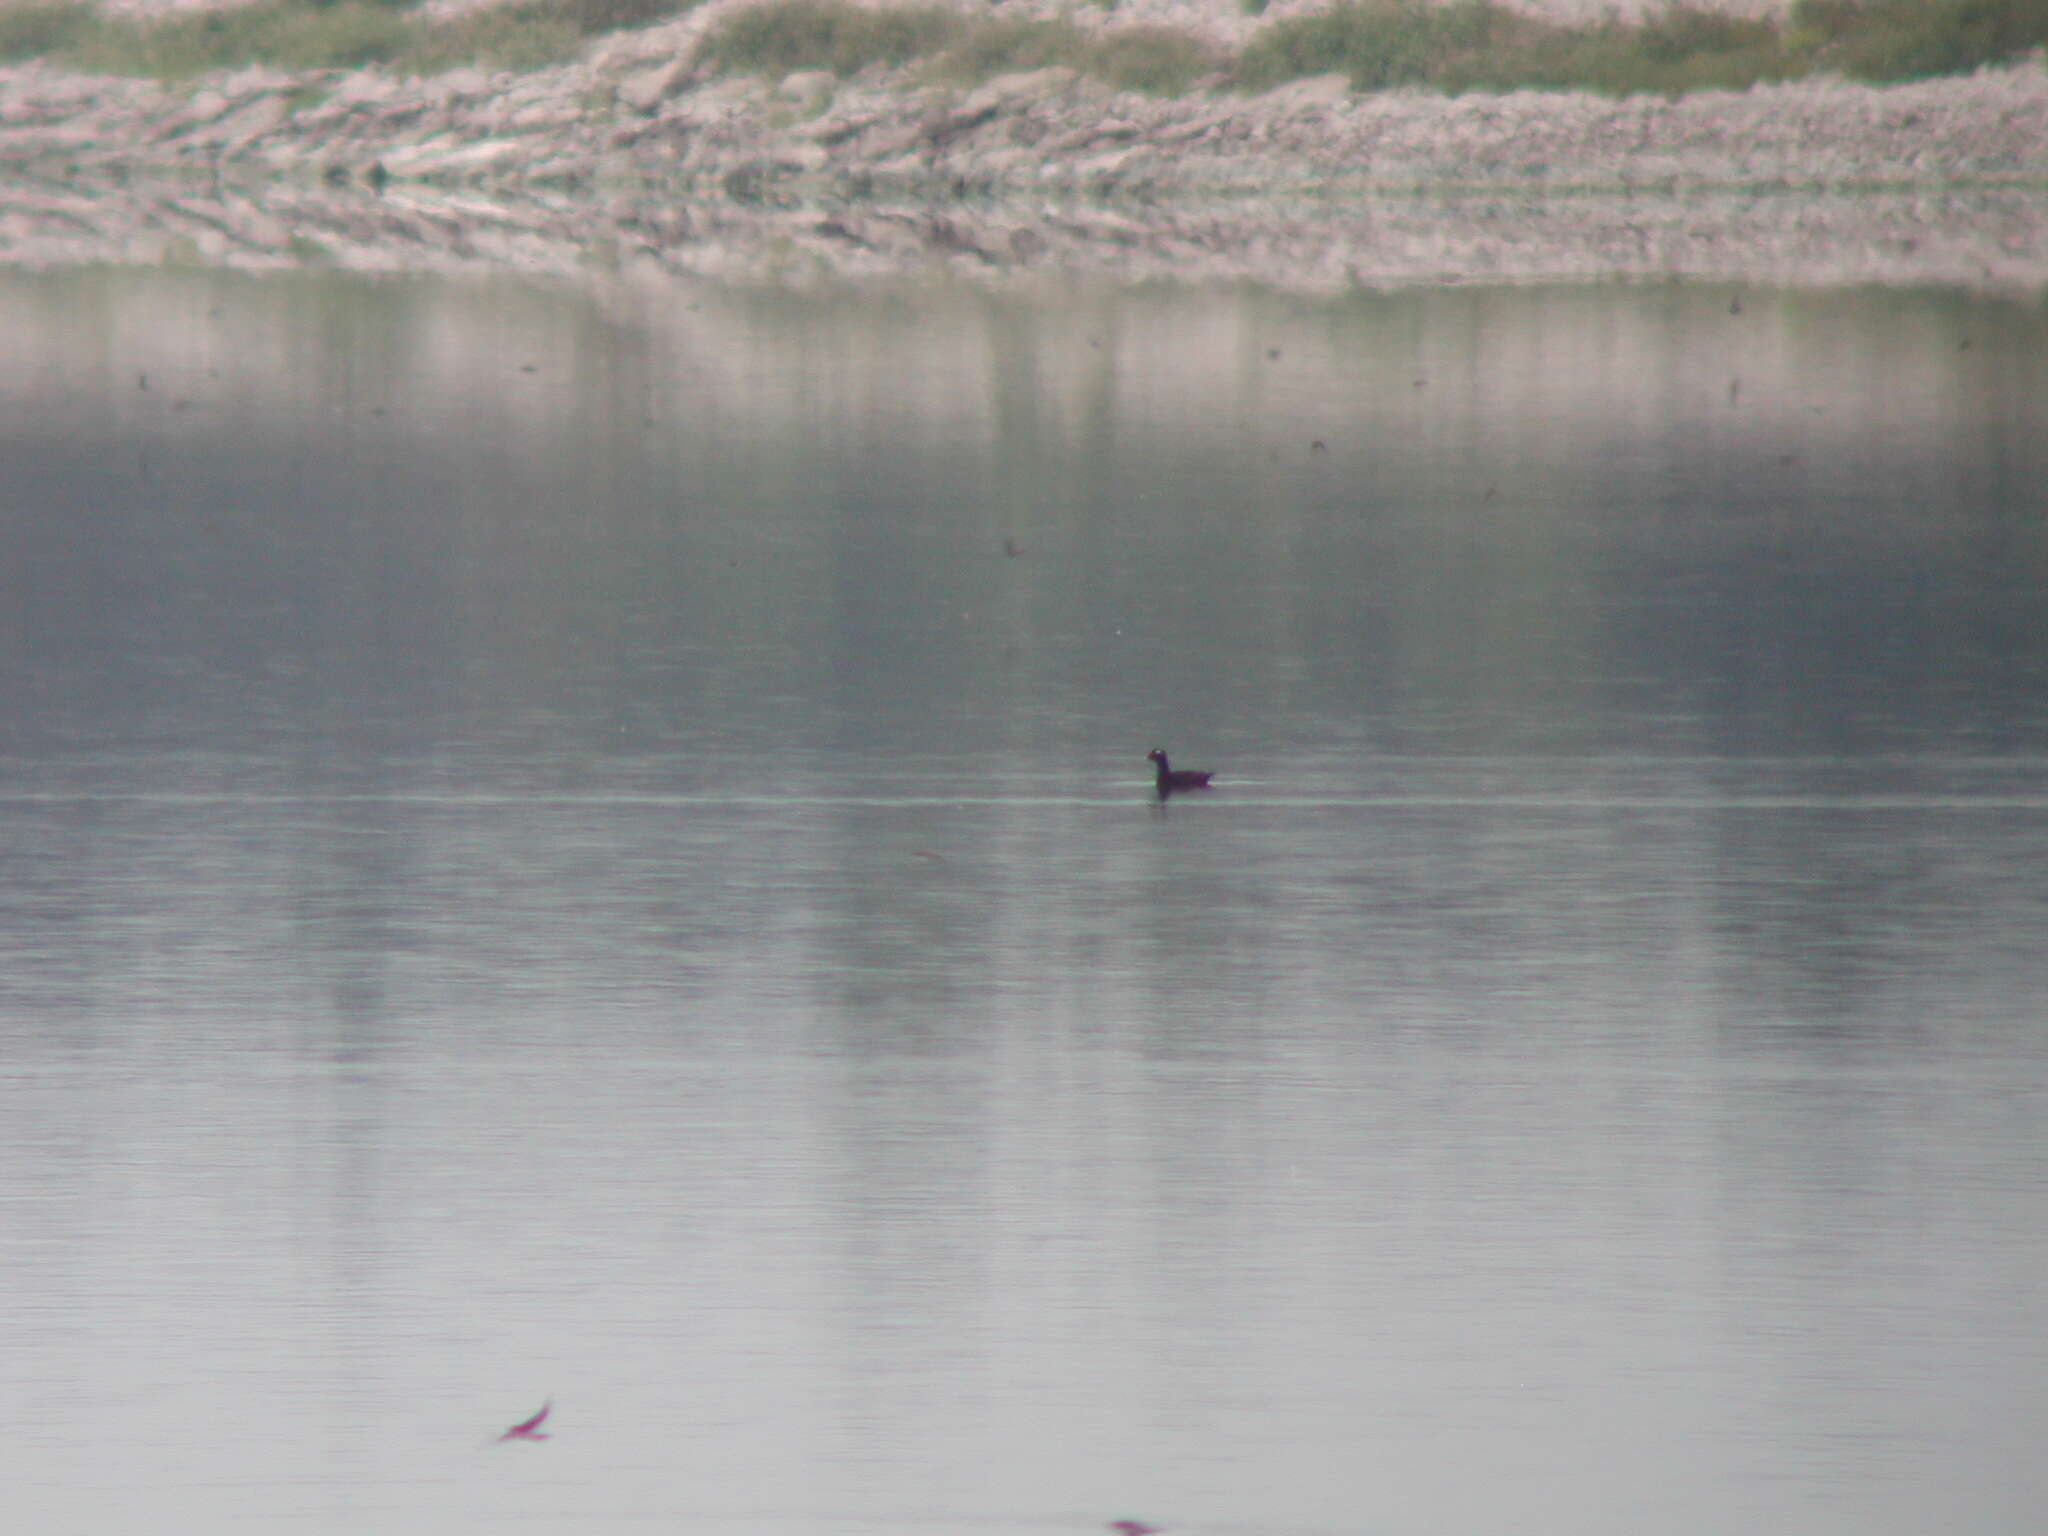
x,y
1172,778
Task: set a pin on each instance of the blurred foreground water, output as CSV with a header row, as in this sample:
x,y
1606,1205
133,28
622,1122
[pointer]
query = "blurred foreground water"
x,y
592,840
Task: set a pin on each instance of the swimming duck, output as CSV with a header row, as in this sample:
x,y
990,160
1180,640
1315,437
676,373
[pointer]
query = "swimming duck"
x,y
1171,778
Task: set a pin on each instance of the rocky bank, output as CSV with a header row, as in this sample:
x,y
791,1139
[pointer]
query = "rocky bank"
x,y
631,155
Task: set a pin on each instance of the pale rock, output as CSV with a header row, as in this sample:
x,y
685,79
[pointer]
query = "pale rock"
x,y
802,157
544,114
204,107
646,89
623,52
416,159
812,87
485,155
732,90
1313,91
1109,167
257,118
843,126
459,85
364,87
1021,85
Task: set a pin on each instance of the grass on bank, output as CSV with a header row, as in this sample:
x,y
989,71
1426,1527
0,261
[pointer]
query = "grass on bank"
x,y
1476,45
314,34
779,37
1466,45
1455,45
1452,45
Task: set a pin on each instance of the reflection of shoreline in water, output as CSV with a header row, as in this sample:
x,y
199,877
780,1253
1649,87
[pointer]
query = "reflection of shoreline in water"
x,y
626,157
1989,238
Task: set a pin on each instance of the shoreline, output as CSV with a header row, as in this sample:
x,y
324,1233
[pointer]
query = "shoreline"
x,y
1992,242
628,157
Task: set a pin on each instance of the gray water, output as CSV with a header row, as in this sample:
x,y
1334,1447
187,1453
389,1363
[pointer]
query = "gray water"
x,y
593,843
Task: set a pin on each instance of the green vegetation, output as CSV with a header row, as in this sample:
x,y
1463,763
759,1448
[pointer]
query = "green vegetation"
x,y
1682,49
1449,45
1477,45
41,27
528,34
1911,39
314,34
281,32
1466,45
1380,43
1154,59
779,37
1003,47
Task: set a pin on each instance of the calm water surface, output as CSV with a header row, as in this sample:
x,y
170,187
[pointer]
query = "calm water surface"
x,y
552,849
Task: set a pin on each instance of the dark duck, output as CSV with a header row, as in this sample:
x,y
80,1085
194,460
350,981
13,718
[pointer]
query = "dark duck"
x,y
1172,778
